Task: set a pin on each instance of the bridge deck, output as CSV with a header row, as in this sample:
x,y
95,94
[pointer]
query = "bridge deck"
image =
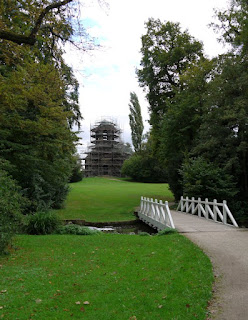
x,y
185,222
227,248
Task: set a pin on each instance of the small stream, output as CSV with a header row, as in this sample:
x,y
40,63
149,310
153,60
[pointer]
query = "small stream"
x,y
136,228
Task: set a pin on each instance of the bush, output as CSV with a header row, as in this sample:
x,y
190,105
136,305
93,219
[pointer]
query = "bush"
x,y
240,209
42,223
144,234
77,230
202,179
166,231
10,209
144,168
77,172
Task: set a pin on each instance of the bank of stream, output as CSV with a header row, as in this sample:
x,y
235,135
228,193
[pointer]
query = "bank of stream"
x,y
122,227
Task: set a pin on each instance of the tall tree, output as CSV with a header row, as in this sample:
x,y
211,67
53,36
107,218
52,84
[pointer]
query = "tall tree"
x,y
223,134
135,121
166,53
180,126
168,57
38,99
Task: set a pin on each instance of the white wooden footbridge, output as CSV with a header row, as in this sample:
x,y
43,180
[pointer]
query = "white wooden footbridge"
x,y
158,215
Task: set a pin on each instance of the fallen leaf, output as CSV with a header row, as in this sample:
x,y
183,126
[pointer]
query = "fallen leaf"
x,y
1,307
187,305
78,302
160,306
82,309
38,300
86,302
3,291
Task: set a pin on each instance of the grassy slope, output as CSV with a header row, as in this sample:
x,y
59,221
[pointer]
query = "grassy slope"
x,y
102,199
123,277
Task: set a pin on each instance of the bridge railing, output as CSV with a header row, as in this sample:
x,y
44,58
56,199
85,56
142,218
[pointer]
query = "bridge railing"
x,y
218,212
156,213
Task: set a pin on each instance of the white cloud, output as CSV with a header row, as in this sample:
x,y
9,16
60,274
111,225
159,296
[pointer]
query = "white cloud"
x,y
107,76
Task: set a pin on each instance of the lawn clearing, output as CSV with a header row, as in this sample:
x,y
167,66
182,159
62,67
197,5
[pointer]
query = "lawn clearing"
x,y
105,199
105,277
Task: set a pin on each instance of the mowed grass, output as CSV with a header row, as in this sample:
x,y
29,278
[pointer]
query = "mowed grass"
x,y
104,277
105,199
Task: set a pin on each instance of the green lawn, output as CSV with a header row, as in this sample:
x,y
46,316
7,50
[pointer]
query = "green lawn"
x,y
118,277
105,199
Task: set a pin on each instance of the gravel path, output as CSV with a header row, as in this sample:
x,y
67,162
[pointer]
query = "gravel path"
x,y
227,248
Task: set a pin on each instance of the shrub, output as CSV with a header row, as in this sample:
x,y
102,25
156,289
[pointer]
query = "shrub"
x,y
10,209
143,234
144,167
77,172
202,179
166,231
77,230
42,223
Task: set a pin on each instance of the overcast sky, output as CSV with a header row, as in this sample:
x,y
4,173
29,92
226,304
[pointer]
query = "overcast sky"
x,y
107,75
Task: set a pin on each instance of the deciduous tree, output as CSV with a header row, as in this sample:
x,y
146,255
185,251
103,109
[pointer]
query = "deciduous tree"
x,y
135,121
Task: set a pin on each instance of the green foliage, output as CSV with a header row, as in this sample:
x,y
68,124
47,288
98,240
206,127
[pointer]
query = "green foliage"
x,y
35,137
135,121
199,108
77,230
166,231
39,104
205,180
143,234
240,210
166,53
77,171
233,25
42,223
11,203
180,126
144,167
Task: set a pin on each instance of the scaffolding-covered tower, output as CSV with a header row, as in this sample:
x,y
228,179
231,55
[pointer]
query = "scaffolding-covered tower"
x,y
106,153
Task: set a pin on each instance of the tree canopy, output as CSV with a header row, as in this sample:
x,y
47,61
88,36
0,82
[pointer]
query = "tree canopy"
x,y
39,99
198,108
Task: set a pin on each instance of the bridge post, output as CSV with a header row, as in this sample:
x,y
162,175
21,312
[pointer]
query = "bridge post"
x,y
193,205
187,204
181,203
206,208
142,205
199,208
224,212
215,211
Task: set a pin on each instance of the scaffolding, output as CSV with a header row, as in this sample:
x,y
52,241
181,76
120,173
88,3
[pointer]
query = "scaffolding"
x,y
106,153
